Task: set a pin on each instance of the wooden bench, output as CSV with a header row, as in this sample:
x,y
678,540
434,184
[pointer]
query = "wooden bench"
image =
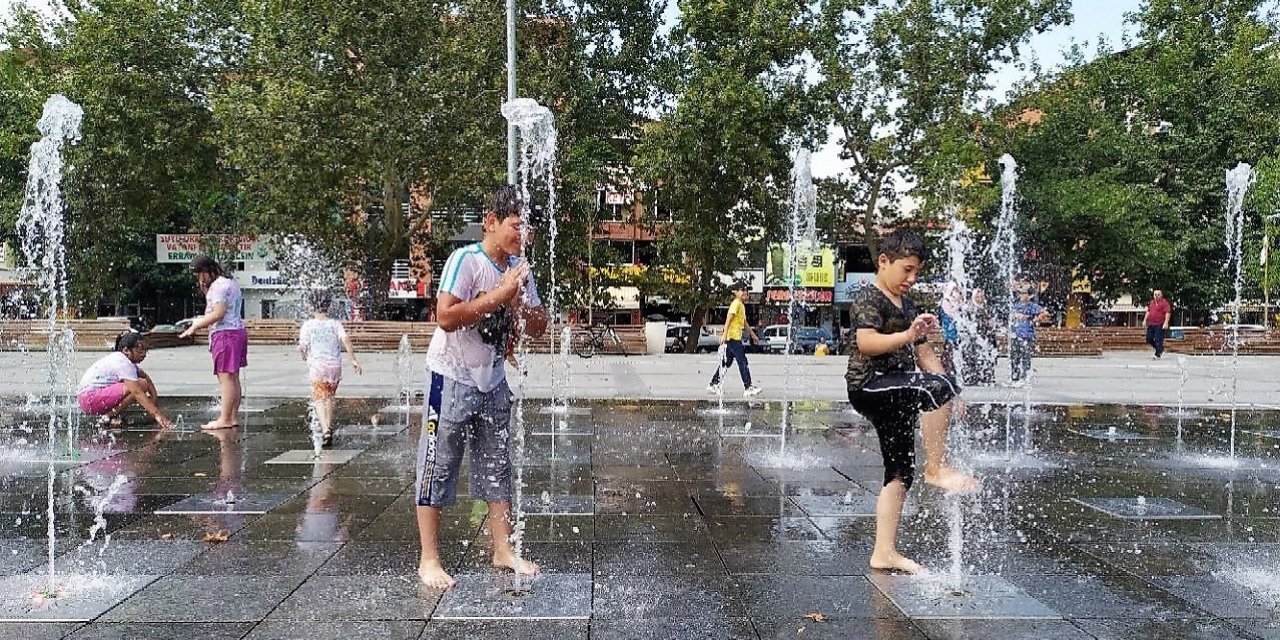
x,y
90,335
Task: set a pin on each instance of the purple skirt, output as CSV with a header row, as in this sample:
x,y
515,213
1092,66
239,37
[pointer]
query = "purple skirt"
x,y
230,349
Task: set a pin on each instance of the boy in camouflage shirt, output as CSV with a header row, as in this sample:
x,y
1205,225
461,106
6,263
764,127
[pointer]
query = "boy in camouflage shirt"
x,y
895,379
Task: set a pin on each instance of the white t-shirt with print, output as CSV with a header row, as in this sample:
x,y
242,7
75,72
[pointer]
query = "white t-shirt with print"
x,y
474,355
321,340
226,291
108,370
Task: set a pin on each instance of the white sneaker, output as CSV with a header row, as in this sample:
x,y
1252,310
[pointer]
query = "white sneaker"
x,y
713,389
751,391
1018,384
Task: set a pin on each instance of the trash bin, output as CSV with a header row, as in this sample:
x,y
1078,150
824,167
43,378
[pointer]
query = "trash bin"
x,y
655,333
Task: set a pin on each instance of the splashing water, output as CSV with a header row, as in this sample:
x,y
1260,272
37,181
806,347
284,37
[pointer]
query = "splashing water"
x,y
537,135
404,372
801,237
1183,376
1238,181
42,229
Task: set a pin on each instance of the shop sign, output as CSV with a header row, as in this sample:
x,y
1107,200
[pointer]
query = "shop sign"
x,y
849,286
181,248
815,266
804,295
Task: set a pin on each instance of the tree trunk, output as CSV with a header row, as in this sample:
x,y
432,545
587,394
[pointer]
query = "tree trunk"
x,y
696,320
869,235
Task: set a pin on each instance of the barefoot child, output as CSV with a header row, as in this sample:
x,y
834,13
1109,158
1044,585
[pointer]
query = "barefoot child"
x,y
228,341
484,289
321,341
895,380
115,382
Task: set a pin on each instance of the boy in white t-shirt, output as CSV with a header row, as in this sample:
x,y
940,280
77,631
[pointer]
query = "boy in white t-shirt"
x,y
485,292
321,341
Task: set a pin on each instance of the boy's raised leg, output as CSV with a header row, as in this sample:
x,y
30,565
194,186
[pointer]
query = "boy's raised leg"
x,y
937,471
430,570
888,513
504,553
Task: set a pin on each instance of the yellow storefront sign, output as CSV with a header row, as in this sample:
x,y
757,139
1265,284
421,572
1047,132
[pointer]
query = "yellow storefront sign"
x,y
815,266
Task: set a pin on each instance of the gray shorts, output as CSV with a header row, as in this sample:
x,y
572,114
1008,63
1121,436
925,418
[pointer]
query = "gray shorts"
x,y
457,415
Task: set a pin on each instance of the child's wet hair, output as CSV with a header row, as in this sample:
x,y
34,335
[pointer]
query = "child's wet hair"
x,y
128,340
205,264
903,243
319,300
506,203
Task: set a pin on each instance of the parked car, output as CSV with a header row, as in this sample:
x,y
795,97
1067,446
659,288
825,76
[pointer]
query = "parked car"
x,y
774,338
678,336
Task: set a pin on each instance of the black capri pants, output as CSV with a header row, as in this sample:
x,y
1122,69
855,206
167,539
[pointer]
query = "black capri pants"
x,y
893,402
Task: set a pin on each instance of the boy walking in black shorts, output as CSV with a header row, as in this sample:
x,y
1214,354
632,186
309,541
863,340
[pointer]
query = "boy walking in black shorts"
x,y
895,379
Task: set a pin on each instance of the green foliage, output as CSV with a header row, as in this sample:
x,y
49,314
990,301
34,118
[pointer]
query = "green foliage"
x,y
1123,174
720,153
900,76
146,163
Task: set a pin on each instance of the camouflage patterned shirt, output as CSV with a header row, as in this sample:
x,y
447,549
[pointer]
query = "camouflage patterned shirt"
x,y
872,309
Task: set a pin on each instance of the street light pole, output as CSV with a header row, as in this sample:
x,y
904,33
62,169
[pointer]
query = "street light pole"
x,y
511,89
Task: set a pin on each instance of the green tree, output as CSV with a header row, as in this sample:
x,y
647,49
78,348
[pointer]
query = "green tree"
x,y
736,100
1123,163
901,76
146,163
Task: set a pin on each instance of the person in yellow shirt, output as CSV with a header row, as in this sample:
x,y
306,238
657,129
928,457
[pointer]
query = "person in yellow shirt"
x,y
821,349
734,325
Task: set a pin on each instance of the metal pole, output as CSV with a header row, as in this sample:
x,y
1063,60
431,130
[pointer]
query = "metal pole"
x,y
511,88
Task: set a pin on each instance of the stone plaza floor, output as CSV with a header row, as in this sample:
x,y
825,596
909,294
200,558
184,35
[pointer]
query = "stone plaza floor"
x,y
651,519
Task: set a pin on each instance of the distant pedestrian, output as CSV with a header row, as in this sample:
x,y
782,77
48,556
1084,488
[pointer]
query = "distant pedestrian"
x,y
1025,314
821,349
949,305
734,324
228,341
1157,321
321,341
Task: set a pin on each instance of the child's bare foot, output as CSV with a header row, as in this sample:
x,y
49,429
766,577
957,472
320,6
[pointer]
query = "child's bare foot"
x,y
952,481
433,575
516,564
215,425
894,561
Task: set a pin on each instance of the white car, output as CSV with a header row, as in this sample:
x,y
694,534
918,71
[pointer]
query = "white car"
x,y
678,333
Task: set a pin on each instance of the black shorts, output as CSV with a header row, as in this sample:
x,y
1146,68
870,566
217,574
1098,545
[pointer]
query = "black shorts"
x,y
893,402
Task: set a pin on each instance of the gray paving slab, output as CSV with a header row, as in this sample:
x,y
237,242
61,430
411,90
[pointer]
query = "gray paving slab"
x,y
488,596
38,597
973,598
183,598
355,630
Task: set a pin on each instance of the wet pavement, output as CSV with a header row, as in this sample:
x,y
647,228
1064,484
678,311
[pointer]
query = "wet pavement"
x,y
651,519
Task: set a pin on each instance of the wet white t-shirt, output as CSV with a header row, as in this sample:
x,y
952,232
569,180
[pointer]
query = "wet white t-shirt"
x,y
108,370
321,340
474,355
226,291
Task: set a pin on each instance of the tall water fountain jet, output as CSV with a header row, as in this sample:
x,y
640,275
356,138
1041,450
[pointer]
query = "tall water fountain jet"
x,y
801,237
42,229
537,135
1238,181
1004,254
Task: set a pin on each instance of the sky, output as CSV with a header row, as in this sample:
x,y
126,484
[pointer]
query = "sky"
x,y
1091,19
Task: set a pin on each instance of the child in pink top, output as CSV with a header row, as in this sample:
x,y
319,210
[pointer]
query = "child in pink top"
x,y
228,341
115,382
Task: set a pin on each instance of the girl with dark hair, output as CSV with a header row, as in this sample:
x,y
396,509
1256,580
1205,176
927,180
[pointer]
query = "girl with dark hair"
x,y
228,341
115,382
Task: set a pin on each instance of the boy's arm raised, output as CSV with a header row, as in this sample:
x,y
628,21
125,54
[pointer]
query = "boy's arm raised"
x,y
874,343
453,313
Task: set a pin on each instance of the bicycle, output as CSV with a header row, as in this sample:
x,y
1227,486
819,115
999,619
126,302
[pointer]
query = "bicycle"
x,y
593,339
